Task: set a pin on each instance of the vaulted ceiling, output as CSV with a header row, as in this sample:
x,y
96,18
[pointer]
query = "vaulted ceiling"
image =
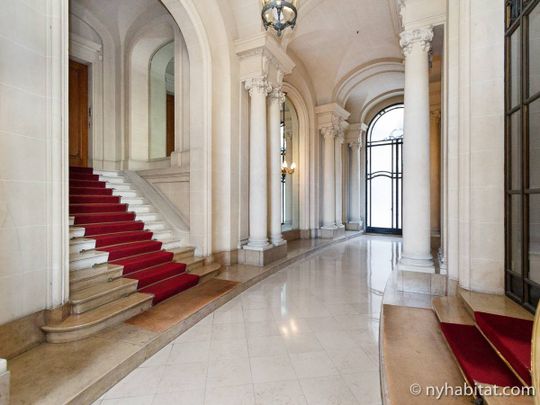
x,y
332,39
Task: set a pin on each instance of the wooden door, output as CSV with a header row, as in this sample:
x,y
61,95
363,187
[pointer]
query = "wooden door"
x,y
78,114
170,124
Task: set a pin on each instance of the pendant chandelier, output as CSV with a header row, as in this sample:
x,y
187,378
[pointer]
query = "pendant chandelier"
x,y
279,14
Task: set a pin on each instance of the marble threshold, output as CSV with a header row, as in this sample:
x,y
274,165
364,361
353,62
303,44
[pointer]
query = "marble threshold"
x,y
80,372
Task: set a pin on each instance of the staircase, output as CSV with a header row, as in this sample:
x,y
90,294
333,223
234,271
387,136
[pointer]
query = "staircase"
x,y
490,338
123,256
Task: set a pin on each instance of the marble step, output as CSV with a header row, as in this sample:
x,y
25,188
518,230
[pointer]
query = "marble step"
x,y
126,193
163,235
76,232
192,262
112,179
184,252
155,226
108,173
81,279
451,310
140,208
77,245
206,272
76,327
120,186
171,244
84,260
148,217
132,200
100,294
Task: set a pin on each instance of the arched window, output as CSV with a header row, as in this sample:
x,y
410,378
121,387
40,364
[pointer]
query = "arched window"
x,y
384,171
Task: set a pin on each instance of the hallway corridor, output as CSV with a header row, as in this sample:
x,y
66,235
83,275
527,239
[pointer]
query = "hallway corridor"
x,y
306,335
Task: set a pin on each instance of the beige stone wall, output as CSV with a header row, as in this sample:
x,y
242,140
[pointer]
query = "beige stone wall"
x,y
30,180
475,101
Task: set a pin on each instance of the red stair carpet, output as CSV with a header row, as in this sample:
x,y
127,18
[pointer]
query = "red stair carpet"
x,y
117,232
512,338
476,358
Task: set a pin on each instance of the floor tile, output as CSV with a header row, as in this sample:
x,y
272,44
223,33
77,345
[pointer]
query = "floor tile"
x,y
226,349
180,398
229,372
183,377
365,386
235,395
189,352
303,344
279,393
271,346
328,391
228,331
313,364
267,369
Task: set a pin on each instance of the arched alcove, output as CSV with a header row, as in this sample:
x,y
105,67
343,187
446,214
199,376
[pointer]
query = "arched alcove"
x,y
162,88
303,159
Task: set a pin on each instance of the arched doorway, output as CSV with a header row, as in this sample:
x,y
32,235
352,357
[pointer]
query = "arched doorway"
x,y
384,171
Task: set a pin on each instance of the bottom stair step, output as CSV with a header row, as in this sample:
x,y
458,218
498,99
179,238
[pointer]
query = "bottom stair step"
x,y
76,327
512,338
477,360
167,288
100,294
206,272
152,275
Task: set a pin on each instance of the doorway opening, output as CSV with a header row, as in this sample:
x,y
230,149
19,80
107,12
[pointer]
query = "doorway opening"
x,y
78,114
384,171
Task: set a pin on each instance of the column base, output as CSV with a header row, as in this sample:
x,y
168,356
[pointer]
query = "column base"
x,y
354,226
422,283
255,256
331,232
418,265
279,241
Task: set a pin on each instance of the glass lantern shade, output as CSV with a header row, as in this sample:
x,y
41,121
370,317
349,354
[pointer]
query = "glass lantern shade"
x,y
279,14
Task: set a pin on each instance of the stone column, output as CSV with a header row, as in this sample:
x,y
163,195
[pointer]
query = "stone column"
x,y
329,200
258,203
277,98
338,145
355,216
416,254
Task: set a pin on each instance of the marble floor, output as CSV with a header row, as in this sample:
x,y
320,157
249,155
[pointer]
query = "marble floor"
x,y
305,335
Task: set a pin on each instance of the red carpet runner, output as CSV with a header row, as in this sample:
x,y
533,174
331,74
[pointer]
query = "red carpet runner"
x,y
512,338
117,231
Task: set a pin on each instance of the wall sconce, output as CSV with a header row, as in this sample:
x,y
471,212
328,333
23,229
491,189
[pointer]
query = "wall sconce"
x,y
285,170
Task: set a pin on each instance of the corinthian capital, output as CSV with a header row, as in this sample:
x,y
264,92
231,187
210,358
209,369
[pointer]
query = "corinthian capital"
x,y
328,132
278,95
258,85
421,37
